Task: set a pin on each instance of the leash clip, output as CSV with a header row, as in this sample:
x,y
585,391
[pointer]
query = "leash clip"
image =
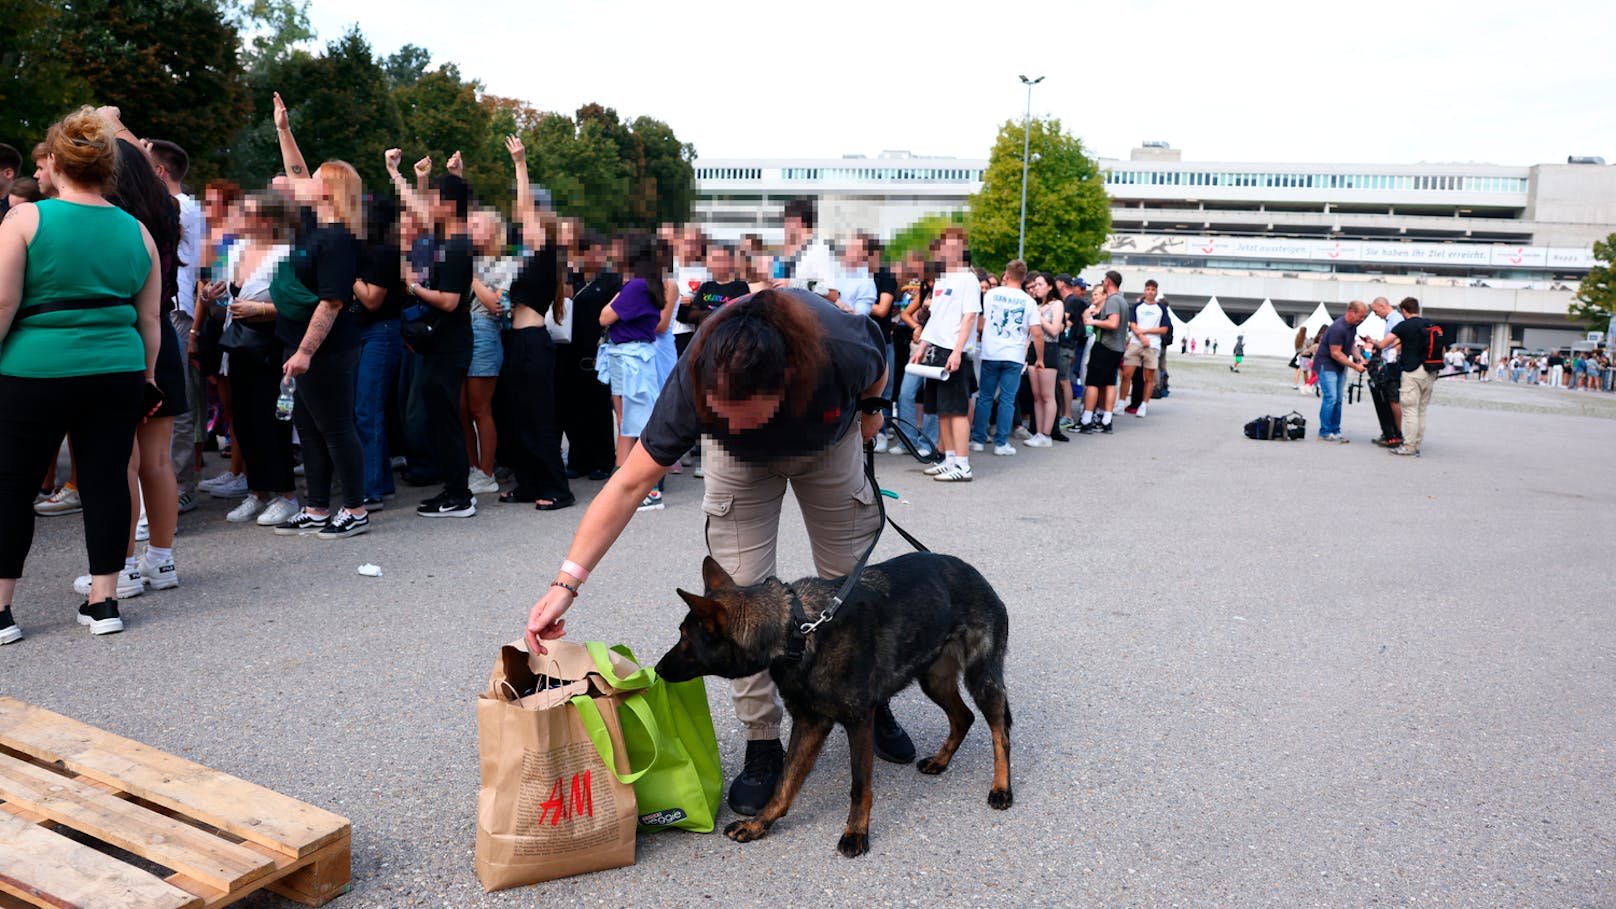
x,y
808,628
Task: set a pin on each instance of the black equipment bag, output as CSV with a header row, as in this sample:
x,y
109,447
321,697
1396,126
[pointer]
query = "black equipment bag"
x,y
1289,427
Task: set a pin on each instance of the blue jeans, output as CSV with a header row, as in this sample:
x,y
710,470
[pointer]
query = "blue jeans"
x,y
1000,379
906,409
887,391
381,349
1330,383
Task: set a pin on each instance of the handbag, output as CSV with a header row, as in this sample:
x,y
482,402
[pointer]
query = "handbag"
x,y
555,800
681,785
417,325
241,340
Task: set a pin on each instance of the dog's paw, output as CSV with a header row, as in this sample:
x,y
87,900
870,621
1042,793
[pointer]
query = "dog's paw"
x,y
931,766
853,845
1000,798
746,831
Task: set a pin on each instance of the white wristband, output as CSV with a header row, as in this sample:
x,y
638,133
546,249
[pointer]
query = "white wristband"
x,y
576,570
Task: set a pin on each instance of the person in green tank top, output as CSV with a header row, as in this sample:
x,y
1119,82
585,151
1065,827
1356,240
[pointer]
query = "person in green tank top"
x,y
79,288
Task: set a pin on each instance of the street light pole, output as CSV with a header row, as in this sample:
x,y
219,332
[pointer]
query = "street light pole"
x,y
1026,139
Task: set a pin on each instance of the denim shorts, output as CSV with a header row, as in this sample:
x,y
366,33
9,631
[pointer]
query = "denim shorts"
x,y
487,354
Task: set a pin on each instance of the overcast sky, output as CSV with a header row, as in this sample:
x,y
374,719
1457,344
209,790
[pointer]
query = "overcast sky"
x,y
1365,82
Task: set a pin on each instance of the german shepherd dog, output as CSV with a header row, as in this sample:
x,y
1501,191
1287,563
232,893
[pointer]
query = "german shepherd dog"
x,y
919,617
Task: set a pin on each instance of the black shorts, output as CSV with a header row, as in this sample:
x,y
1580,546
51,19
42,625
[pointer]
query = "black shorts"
x,y
1103,365
170,374
950,398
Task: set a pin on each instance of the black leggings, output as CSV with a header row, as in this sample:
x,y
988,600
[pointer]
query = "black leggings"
x,y
101,413
444,374
266,443
324,414
529,418
584,407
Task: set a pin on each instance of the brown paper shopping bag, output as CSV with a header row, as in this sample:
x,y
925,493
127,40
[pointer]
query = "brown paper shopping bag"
x,y
548,807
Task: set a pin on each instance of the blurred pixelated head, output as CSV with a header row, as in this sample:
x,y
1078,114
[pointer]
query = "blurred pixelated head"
x,y
754,357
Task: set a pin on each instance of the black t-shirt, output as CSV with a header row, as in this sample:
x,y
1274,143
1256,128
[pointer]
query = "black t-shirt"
x,y
379,265
1414,338
325,259
885,283
451,273
855,357
709,297
1072,334
587,302
535,284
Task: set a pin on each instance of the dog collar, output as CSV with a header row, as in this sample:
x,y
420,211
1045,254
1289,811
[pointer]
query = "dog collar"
x,y
801,627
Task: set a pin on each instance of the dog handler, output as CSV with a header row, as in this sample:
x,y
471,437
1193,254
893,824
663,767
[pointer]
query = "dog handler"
x,y
770,386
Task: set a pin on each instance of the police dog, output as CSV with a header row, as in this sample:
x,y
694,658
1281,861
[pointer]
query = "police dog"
x,y
919,617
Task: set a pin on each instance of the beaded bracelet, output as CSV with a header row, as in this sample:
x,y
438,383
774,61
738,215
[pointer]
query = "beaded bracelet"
x,y
565,585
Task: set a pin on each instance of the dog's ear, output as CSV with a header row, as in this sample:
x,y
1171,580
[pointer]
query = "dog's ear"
x,y
714,576
712,614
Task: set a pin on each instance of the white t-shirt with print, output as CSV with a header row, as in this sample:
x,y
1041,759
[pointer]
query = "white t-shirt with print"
x,y
1008,315
687,278
954,296
1148,316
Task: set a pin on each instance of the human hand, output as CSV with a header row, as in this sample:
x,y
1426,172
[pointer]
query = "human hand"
x,y
283,120
780,283
393,157
212,292
870,424
456,165
111,114
423,167
544,621
514,146
241,310
917,353
296,365
954,361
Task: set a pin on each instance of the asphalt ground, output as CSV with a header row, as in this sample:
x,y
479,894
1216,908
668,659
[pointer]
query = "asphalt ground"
x,y
1243,673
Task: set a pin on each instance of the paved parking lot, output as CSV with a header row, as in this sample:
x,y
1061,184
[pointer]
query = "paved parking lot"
x,y
1243,673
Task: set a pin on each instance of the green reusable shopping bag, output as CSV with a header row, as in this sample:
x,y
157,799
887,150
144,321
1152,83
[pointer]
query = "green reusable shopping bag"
x,y
675,753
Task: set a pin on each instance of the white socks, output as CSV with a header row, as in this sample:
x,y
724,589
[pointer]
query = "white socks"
x,y
1088,417
1105,418
157,554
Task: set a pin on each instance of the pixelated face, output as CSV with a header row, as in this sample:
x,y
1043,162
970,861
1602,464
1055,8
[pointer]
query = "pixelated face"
x,y
719,261
747,413
952,249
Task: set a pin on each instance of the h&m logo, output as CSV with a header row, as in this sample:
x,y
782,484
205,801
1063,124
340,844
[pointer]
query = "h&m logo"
x,y
564,805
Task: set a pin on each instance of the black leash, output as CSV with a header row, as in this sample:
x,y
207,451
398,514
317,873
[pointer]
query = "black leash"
x,y
801,625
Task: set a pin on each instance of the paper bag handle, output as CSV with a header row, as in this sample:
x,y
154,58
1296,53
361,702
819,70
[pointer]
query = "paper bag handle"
x,y
595,725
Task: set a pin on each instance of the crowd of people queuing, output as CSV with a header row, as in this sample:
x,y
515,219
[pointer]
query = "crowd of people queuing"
x,y
364,336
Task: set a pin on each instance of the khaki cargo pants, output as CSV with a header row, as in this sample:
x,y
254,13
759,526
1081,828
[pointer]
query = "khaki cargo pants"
x,y
742,502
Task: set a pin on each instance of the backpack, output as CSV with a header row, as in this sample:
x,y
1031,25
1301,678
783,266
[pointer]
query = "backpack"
x,y
1432,332
1289,427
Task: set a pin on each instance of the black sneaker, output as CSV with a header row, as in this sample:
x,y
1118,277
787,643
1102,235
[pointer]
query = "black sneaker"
x,y
891,742
375,504
102,617
442,506
755,786
1058,436
345,524
1105,429
1087,429
9,631
302,523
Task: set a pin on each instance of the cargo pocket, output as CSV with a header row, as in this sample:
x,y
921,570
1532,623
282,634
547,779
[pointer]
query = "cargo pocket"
x,y
723,540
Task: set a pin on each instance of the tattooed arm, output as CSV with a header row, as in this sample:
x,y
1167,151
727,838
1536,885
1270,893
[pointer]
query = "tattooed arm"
x,y
291,157
325,315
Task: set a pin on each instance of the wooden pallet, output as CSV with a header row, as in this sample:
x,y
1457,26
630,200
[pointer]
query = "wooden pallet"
x,y
218,837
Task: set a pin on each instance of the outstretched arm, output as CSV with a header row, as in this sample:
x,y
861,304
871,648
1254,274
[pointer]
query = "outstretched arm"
x,y
291,157
410,195
526,213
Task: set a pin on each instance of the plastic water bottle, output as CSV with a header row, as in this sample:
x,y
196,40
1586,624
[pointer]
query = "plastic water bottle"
x,y
284,404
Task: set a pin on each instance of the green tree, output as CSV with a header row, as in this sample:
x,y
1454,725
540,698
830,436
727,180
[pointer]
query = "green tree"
x,y
407,65
443,114
611,174
340,107
37,83
1595,302
1068,212
667,177
172,66
270,30
918,235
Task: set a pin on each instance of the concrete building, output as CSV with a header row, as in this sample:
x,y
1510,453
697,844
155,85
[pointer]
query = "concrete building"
x,y
1494,252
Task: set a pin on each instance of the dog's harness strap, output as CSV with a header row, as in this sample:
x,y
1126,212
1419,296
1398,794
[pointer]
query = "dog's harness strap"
x,y
801,625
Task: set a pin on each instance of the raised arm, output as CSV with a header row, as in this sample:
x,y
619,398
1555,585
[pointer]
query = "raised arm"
x,y
291,157
409,195
524,210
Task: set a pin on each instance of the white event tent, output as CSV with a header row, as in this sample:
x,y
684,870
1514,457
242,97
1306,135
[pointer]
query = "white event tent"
x,y
1214,324
1266,333
1320,319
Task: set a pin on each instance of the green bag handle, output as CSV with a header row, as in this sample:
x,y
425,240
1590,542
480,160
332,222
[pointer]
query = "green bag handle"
x,y
645,677
595,725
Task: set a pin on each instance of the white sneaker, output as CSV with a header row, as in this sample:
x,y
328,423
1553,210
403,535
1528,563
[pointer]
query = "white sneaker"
x,y
1021,432
246,511
938,468
208,484
158,575
652,502
1141,411
278,511
697,471
880,442
1039,441
142,531
63,501
228,487
978,446
1005,450
129,583
956,473
478,481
